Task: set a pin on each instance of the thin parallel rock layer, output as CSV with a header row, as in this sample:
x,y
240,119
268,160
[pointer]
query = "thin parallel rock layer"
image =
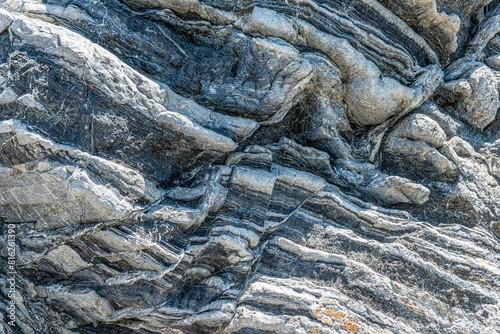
x,y
171,166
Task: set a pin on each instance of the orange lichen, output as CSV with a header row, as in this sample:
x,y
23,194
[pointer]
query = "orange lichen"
x,y
397,286
312,330
350,325
407,302
317,313
337,315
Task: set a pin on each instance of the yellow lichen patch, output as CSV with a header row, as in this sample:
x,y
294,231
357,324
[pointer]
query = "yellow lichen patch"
x,y
312,330
337,315
407,302
330,315
350,325
317,313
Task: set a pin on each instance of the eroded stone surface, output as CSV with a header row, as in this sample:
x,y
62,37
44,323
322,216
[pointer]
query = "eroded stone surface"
x,y
250,166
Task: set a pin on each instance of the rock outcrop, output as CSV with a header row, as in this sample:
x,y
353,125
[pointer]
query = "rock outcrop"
x,y
199,166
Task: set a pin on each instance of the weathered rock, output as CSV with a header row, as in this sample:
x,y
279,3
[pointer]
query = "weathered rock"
x,y
327,127
371,98
449,125
417,159
413,149
420,127
394,189
56,186
66,259
287,151
478,97
5,20
380,186
201,166
439,28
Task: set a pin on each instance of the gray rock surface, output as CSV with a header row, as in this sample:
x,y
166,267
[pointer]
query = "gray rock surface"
x,y
199,166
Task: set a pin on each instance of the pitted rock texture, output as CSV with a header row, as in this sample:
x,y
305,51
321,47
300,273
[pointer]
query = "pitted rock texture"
x,y
199,166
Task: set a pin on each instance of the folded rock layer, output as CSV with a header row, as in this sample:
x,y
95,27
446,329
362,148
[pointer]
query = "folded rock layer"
x,y
305,166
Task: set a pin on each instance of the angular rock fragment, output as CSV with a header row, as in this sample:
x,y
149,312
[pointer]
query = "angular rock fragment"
x,y
414,145
478,99
66,259
449,125
55,185
249,166
394,189
420,127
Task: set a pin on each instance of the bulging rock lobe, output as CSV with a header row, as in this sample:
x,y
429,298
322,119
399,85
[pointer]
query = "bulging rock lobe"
x,y
200,166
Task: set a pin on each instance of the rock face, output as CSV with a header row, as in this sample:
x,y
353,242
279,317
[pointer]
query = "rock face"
x,y
197,166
